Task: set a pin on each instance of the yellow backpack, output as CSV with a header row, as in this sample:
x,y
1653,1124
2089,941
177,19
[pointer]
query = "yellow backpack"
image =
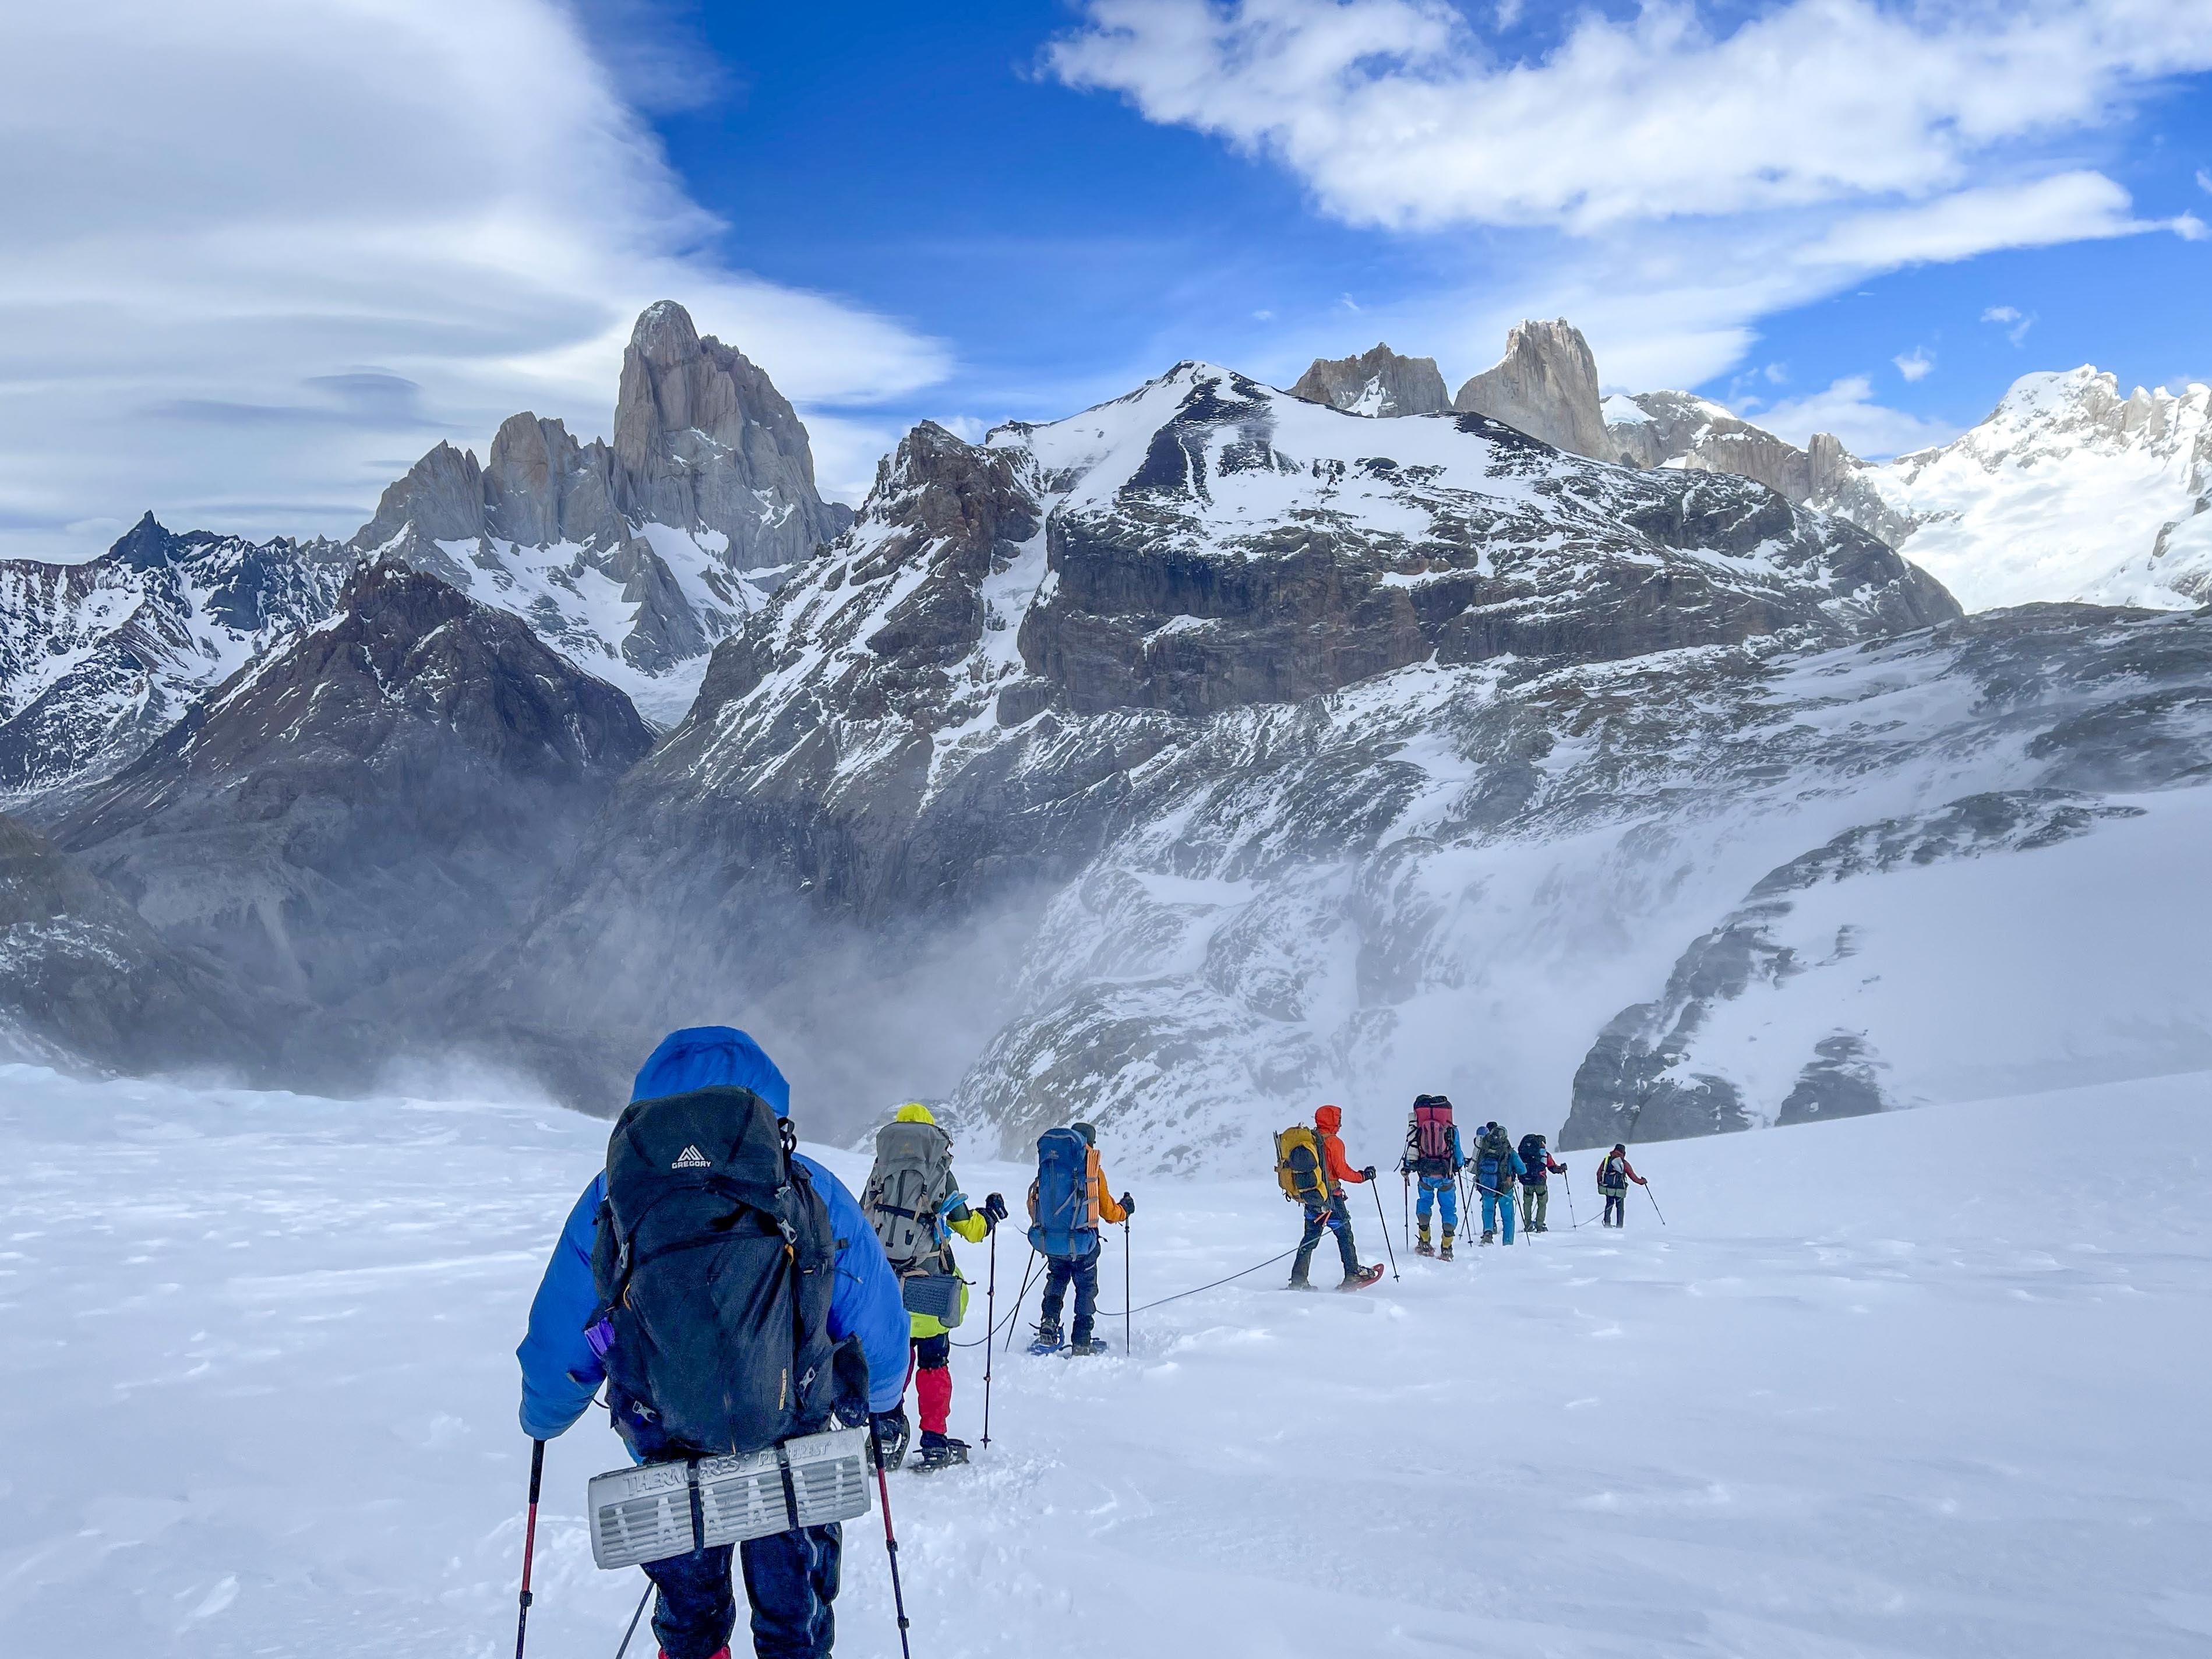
x,y
1298,1169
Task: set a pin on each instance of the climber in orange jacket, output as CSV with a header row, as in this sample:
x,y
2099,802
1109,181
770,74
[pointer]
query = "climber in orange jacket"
x,y
1338,1170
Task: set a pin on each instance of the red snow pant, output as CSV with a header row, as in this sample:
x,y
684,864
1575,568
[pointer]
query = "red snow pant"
x,y
933,1381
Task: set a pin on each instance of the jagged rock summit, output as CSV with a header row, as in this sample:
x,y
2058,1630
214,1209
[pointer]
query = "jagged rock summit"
x,y
1379,382
630,556
98,660
1546,385
1679,428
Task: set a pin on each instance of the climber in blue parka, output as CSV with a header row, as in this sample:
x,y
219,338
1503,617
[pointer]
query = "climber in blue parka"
x,y
791,1578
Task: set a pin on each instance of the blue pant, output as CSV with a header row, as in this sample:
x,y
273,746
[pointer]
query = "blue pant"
x,y
1438,1190
1497,1206
791,1579
1060,1271
1337,1217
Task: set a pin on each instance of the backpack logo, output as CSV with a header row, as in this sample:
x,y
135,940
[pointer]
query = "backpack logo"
x,y
690,1159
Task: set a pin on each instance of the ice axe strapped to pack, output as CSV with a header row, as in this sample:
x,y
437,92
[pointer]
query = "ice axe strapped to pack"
x,y
660,1509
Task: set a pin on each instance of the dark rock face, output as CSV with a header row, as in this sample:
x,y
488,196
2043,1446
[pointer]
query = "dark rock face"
x,y
85,983
1379,382
98,660
342,819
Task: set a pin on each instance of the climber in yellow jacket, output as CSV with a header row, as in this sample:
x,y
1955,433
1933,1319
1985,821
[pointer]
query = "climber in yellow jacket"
x,y
916,1206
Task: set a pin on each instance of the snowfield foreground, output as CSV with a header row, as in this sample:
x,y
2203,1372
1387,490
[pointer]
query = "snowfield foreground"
x,y
1921,1383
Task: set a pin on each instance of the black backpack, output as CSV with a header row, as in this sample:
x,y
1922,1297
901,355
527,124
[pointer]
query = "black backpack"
x,y
1533,1159
715,1263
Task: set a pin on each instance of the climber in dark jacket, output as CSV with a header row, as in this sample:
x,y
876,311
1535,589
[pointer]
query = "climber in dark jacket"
x,y
791,1578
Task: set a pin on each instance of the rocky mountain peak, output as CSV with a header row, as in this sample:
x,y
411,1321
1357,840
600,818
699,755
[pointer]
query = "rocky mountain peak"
x,y
1680,428
1546,385
1378,382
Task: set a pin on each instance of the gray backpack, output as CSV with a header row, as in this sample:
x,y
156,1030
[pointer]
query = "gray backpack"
x,y
912,1176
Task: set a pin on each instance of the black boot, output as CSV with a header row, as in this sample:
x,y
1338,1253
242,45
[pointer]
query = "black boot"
x,y
939,1451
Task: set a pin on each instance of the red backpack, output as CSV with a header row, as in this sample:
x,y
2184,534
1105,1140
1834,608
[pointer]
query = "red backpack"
x,y
1432,1135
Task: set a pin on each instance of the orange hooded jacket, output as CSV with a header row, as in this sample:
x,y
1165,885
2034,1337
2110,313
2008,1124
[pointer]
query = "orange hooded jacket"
x,y
1328,1120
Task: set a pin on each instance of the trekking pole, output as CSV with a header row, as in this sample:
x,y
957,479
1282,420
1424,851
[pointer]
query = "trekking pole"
x,y
1655,1204
890,1548
1014,1323
1127,1345
1384,1222
1406,1207
633,1618
1569,1182
990,1327
529,1544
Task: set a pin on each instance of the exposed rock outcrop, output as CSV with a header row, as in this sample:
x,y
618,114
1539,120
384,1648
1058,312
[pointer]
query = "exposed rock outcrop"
x,y
1379,382
1676,429
1546,385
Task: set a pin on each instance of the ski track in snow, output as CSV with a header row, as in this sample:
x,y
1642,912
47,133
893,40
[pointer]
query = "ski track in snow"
x,y
1923,1384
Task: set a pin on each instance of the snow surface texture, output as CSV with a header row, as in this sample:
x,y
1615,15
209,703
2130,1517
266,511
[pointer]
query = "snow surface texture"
x,y
1914,1385
2067,491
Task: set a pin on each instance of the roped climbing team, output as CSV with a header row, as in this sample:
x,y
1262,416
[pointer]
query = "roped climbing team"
x,y
710,1263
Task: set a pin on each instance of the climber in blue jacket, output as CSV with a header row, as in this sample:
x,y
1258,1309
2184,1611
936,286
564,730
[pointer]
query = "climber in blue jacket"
x,y
792,1577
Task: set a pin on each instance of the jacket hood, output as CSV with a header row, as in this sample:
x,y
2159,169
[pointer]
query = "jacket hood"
x,y
1328,1120
710,1057
913,1112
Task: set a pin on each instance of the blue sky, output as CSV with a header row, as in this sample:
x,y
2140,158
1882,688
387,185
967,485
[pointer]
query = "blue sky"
x,y
262,256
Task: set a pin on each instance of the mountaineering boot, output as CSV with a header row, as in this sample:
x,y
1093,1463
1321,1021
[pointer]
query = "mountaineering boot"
x,y
1299,1282
1362,1278
1047,1337
1445,1254
939,1451
1489,1235
1421,1245
1088,1347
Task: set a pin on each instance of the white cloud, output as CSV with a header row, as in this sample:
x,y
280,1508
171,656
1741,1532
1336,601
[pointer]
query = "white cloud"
x,y
1914,365
2009,318
2205,180
2001,314
2190,228
260,256
1663,182
1399,113
1847,409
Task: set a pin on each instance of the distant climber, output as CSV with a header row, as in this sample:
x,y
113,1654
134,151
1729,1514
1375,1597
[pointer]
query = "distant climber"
x,y
915,1206
1496,1166
1613,1178
1068,1201
667,1310
1311,1166
1432,1152
1536,1164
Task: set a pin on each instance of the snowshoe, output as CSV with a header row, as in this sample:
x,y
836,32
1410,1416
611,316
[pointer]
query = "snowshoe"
x,y
1299,1284
1444,1254
1489,1238
1049,1339
1089,1347
1426,1248
939,1451
1362,1278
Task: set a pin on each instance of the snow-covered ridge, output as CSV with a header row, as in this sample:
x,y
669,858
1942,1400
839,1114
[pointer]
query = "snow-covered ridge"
x,y
2069,490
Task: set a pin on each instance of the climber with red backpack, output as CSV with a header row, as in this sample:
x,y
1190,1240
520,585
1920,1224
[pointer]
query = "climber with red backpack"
x,y
1432,1152
1614,1176
1068,1201
1311,1168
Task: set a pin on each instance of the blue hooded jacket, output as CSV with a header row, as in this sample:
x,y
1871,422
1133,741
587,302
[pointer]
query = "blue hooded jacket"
x,y
560,1372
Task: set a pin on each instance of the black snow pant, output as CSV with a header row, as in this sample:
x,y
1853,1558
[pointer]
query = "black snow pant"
x,y
1336,1216
1082,1270
1616,1208
791,1579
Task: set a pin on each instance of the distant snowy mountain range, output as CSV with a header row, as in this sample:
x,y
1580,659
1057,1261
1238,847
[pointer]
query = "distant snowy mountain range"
x,y
1183,761
2067,491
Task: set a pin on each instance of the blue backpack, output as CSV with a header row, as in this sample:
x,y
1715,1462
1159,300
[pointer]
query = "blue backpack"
x,y
1061,1203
